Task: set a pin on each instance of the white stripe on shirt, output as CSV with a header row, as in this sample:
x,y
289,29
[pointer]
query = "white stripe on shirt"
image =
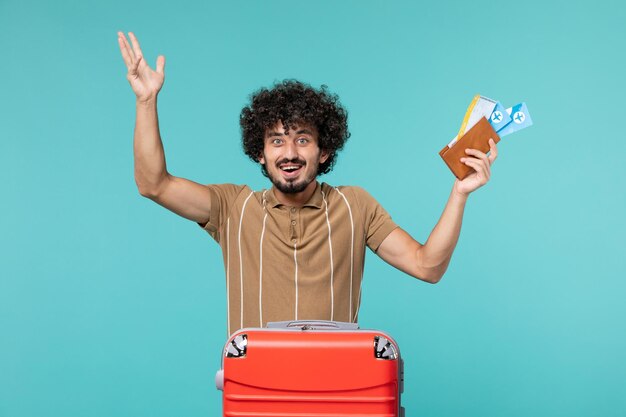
x,y
228,274
330,248
295,260
243,210
351,251
261,265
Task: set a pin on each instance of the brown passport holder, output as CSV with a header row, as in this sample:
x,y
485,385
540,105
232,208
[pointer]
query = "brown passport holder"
x,y
475,138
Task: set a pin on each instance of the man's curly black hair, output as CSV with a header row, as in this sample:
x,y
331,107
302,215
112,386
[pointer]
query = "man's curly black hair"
x,y
293,102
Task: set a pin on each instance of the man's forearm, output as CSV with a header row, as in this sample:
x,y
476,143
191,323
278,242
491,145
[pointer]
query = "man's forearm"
x,y
150,168
436,253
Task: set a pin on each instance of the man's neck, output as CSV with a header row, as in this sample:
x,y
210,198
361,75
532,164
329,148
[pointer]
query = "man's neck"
x,y
295,199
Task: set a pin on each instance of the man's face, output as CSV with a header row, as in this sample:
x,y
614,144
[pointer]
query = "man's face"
x,y
292,160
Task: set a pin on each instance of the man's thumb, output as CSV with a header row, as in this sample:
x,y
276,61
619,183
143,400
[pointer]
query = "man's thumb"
x,y
160,65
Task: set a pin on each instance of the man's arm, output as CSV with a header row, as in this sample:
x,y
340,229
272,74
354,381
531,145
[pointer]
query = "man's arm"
x,y
185,198
429,262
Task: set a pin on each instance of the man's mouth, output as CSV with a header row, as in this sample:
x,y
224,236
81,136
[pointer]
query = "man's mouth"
x,y
291,169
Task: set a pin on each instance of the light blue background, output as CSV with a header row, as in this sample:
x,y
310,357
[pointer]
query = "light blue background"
x,y
112,306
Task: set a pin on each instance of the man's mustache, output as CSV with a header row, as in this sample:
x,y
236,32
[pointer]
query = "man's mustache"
x,y
293,161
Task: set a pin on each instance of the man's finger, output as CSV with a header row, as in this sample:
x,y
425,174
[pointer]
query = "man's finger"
x,y
477,165
493,150
135,42
126,54
160,64
132,53
478,154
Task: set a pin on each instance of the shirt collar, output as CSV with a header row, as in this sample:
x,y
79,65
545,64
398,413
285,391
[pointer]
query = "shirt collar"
x,y
316,199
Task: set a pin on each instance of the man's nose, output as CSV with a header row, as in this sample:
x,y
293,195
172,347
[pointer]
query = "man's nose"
x,y
291,151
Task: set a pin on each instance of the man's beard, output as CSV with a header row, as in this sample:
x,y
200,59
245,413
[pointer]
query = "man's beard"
x,y
291,186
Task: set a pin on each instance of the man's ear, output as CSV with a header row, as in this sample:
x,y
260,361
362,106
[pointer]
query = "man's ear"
x,y
324,155
261,160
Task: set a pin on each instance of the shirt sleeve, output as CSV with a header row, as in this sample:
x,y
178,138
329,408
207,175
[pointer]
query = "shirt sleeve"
x,y
378,223
223,197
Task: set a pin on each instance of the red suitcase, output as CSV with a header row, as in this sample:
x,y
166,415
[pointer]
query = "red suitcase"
x,y
311,369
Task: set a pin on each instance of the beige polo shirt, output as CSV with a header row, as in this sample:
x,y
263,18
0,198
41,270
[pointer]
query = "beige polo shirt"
x,y
294,263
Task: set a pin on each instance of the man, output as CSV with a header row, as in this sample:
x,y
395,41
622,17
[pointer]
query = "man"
x,y
295,251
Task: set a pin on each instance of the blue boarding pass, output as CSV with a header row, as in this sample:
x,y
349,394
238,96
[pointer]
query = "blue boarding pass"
x,y
520,119
500,117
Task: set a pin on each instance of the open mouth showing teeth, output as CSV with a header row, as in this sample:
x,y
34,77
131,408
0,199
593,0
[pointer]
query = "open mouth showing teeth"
x,y
290,168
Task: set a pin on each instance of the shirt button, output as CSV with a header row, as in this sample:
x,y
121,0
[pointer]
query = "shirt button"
x,y
293,209
293,222
293,240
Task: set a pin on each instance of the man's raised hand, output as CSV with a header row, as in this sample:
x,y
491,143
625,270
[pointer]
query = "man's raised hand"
x,y
146,82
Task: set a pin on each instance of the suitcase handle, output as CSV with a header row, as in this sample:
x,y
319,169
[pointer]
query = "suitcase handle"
x,y
313,325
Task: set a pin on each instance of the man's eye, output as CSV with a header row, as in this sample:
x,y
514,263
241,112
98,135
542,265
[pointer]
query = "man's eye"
x,y
277,141
303,141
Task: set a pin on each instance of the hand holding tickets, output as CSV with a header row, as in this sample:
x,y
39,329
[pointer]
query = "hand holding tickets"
x,y
485,118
